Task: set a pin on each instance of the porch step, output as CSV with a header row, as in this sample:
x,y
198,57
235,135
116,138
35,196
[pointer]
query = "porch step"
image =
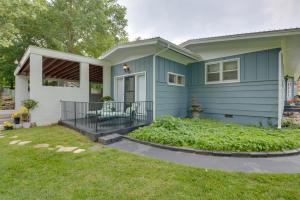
x,y
109,139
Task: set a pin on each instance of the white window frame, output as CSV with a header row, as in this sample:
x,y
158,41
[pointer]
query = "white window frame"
x,y
221,71
123,78
176,76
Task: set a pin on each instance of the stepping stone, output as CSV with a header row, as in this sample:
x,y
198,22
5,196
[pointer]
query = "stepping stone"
x,y
14,137
15,142
79,150
59,146
24,142
41,146
2,136
109,139
67,149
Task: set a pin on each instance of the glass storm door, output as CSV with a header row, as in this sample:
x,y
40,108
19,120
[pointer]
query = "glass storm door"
x,y
129,94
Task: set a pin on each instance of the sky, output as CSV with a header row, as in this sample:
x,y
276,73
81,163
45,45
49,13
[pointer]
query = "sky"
x,y
180,20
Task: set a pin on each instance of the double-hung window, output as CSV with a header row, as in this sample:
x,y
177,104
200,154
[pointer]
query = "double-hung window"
x,y
226,71
176,79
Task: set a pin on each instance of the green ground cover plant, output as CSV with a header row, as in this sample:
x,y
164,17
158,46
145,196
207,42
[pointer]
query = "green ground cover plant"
x,y
211,134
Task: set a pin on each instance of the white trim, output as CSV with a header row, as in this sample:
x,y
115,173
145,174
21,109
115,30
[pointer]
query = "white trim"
x,y
220,62
131,59
153,41
176,75
280,99
262,34
135,78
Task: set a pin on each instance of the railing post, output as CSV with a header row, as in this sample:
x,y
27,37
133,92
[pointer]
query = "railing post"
x,y
96,128
75,113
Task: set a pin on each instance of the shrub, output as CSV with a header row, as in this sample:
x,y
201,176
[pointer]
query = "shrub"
x,y
169,123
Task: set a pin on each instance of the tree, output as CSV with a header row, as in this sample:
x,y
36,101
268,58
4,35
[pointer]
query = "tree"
x,y
83,27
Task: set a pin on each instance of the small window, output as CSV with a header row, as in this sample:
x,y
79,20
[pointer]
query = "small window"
x,y
213,72
226,71
176,79
230,70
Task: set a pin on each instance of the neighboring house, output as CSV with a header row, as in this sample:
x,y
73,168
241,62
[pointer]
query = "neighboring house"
x,y
243,78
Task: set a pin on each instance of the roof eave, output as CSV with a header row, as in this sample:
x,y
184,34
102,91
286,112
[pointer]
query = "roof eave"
x,y
284,32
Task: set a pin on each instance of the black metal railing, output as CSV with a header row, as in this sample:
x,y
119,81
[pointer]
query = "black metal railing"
x,y
98,117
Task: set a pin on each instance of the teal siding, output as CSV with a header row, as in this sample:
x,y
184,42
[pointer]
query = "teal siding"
x,y
139,65
170,99
253,100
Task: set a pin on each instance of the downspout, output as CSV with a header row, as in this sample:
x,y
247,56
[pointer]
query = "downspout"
x,y
154,79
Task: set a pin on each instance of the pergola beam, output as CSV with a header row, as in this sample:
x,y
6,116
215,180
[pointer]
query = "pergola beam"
x,y
57,67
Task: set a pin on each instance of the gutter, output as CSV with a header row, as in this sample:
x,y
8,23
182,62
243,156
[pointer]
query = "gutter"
x,y
154,79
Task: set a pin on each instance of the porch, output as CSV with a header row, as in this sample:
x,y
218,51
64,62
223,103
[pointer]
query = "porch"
x,y
96,119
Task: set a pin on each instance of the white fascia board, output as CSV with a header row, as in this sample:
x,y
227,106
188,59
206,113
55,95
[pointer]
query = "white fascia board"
x,y
153,41
59,55
65,56
285,32
180,49
129,45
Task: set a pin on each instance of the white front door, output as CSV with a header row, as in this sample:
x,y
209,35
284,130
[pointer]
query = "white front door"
x,y
119,94
141,87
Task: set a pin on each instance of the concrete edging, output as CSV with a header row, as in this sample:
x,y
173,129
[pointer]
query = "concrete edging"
x,y
219,153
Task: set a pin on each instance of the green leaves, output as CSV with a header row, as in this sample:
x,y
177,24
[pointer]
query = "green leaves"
x,y
216,135
82,27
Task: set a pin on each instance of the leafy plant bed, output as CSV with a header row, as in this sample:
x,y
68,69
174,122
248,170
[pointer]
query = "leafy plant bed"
x,y
211,134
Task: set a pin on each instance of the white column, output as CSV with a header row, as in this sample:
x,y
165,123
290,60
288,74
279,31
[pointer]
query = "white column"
x,y
21,90
35,75
107,80
35,85
85,80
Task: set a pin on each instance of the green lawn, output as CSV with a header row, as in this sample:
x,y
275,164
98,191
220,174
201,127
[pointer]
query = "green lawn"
x,y
106,173
216,135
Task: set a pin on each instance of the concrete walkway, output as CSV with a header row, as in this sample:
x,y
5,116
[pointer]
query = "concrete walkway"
x,y
290,164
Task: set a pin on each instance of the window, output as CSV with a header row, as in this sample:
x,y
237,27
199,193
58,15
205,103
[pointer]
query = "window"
x,y
176,79
96,88
226,71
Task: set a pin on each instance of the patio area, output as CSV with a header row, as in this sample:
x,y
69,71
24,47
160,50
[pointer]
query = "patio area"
x,y
96,119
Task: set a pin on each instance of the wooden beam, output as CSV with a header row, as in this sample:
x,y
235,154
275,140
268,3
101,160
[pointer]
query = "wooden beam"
x,y
46,66
70,74
50,70
65,69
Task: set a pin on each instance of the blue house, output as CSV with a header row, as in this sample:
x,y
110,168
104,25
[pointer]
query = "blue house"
x,y
244,78
237,78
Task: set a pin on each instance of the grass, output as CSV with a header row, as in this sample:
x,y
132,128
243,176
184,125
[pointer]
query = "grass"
x,y
216,135
106,173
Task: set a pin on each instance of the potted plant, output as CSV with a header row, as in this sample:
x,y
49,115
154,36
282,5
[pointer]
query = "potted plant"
x,y
28,105
106,98
195,108
8,125
24,112
16,117
291,102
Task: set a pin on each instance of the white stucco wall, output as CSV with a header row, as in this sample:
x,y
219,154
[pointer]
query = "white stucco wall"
x,y
21,90
106,80
49,97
